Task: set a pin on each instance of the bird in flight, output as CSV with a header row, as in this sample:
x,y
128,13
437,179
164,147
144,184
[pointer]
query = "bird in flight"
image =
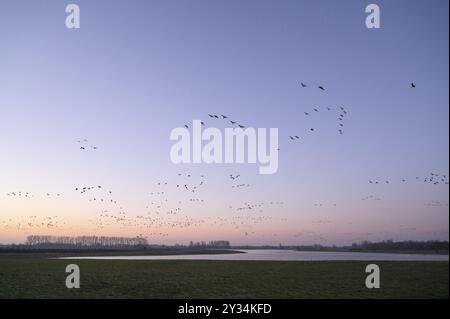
x,y
413,85
303,84
322,88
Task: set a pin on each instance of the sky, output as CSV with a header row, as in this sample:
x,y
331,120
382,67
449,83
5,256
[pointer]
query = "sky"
x,y
136,70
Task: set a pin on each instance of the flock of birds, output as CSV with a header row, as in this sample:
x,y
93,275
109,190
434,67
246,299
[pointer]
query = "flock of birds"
x,y
167,206
24,194
433,178
220,117
340,115
34,222
84,145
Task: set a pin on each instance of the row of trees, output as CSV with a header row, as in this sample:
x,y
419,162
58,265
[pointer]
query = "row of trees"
x,y
85,241
211,244
402,245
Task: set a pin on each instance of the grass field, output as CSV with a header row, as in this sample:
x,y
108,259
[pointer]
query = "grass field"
x,y
35,276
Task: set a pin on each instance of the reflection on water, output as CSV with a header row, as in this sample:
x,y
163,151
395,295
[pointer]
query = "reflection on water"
x,y
286,255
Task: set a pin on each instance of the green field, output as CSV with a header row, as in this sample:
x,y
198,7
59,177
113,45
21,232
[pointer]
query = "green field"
x,y
37,276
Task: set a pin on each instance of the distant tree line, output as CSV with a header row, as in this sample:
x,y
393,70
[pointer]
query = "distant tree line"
x,y
410,246
390,245
84,241
211,244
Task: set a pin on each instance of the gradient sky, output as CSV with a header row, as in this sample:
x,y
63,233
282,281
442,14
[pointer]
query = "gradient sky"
x,y
137,69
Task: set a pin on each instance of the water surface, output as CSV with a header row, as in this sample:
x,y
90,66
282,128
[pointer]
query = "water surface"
x,y
283,255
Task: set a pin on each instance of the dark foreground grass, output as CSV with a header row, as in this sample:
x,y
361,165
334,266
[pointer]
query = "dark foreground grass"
x,y
40,277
